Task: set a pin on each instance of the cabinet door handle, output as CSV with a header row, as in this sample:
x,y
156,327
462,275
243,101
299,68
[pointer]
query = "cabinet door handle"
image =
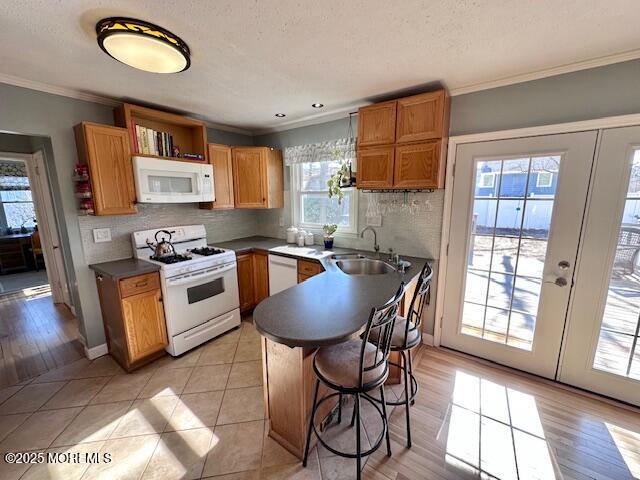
x,y
141,284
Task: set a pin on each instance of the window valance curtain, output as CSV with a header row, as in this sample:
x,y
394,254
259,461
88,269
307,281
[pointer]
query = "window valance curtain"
x,y
13,176
340,149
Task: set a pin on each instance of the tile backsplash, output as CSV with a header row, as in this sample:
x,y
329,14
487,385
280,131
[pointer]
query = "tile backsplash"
x,y
416,234
221,225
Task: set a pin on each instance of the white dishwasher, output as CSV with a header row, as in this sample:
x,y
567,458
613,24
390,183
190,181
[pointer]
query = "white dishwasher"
x,y
283,273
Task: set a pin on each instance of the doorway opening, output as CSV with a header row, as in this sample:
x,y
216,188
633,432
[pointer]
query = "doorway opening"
x,y
38,330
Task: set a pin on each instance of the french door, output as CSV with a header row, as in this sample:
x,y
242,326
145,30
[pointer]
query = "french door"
x,y
602,346
543,271
515,228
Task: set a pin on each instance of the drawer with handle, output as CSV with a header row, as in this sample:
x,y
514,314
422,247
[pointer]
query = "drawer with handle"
x,y
309,268
139,284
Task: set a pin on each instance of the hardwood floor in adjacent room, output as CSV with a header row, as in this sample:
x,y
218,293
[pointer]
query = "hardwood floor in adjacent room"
x,y
35,335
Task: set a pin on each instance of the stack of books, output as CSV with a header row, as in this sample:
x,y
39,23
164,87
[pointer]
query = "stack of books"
x,y
151,142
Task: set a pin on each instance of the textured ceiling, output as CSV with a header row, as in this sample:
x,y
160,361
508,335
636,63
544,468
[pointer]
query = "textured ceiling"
x,y
253,58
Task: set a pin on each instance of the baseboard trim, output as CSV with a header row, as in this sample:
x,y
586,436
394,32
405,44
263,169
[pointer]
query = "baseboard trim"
x,y
95,352
427,339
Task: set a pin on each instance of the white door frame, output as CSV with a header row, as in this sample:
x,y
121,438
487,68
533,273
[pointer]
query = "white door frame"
x,y
46,224
597,124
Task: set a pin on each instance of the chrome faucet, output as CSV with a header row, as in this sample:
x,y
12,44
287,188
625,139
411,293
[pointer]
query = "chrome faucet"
x,y
376,247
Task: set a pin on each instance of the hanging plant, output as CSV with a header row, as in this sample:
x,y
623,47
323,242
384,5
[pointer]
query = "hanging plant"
x,y
338,179
343,176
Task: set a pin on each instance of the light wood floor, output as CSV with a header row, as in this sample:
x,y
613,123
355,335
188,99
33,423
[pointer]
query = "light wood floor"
x,y
35,336
473,420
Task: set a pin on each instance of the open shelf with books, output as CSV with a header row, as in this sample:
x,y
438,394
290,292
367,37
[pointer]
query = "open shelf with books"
x,y
163,135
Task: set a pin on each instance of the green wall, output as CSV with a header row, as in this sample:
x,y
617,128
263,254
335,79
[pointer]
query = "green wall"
x,y
47,121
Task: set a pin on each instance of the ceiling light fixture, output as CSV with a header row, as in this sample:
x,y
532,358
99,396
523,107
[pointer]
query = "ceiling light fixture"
x,y
317,105
280,115
143,45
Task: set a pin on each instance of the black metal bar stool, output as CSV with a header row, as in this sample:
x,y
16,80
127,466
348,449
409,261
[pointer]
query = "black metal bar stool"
x,y
353,368
407,334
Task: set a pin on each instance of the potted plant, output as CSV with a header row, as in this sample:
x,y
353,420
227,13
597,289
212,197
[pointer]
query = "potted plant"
x,y
329,229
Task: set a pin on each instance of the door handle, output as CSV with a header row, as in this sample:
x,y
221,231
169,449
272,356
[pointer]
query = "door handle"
x,y
564,265
561,282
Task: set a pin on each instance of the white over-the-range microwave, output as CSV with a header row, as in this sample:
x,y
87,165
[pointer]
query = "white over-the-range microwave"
x,y
170,181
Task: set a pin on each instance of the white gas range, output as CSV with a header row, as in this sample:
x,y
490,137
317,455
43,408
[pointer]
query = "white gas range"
x,y
199,286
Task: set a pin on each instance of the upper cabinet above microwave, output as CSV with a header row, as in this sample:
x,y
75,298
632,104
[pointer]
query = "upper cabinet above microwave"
x,y
402,143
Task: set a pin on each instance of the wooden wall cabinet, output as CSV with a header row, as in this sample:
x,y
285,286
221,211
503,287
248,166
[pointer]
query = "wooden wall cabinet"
x,y
133,317
375,167
414,156
421,117
106,150
377,124
253,279
417,165
220,158
258,177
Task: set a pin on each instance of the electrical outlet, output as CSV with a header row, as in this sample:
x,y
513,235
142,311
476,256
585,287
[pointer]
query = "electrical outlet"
x,y
374,221
281,220
101,235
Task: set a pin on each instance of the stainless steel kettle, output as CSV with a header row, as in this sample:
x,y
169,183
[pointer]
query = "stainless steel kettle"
x,y
162,248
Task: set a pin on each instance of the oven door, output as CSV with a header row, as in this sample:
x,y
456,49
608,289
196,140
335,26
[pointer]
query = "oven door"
x,y
190,300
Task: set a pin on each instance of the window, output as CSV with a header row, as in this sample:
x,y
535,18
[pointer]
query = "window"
x,y
544,179
312,207
487,180
17,202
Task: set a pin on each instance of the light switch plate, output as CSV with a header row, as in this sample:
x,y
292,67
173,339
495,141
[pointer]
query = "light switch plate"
x,y
101,235
374,221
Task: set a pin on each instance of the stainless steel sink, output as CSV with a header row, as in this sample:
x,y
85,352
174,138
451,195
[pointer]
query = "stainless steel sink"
x,y
364,266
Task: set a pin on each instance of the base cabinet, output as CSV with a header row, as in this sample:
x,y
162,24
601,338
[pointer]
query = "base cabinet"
x,y
253,279
133,316
289,383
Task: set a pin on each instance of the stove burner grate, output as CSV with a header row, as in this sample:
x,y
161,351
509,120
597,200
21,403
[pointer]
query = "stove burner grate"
x,y
171,258
206,251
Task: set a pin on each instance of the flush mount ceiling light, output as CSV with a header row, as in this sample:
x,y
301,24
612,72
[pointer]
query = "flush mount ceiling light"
x,y
280,115
143,45
317,105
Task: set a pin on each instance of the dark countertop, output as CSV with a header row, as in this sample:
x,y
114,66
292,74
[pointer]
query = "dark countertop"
x,y
129,267
328,308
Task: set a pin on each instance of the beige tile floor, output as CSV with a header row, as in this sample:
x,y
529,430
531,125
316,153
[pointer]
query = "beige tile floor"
x,y
197,416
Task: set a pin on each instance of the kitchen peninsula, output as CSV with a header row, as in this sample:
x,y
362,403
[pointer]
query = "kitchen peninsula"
x,y
326,309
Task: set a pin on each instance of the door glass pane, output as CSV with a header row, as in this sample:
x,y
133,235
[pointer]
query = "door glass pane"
x,y
512,211
618,351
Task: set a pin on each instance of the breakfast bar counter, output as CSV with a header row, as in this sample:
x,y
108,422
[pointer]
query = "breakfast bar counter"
x,y
326,309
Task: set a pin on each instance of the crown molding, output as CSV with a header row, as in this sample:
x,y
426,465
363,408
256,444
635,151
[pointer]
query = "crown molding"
x,y
547,72
336,114
93,98
55,90
477,87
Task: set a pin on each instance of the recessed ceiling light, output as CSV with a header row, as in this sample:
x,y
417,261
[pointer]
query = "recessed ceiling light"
x,y
317,105
143,45
280,115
